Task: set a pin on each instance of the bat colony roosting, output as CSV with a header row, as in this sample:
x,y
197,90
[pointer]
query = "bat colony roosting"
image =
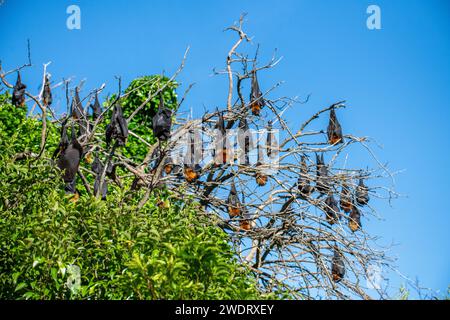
x,y
290,226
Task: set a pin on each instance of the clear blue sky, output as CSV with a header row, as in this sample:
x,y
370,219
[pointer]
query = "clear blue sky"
x,y
396,81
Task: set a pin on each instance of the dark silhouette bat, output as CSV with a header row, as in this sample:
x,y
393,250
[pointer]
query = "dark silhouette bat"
x,y
322,179
234,205
18,97
345,201
47,93
96,108
221,150
256,99
97,168
245,140
245,221
155,159
331,210
362,193
162,122
271,142
69,161
337,266
334,129
354,221
168,165
261,178
63,141
303,182
117,128
77,107
191,169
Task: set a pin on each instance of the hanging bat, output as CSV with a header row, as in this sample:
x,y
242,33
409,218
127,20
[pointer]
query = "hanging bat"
x,y
337,266
196,146
97,168
18,97
168,165
245,140
76,106
154,159
69,161
322,182
234,206
331,210
162,121
111,170
204,132
117,128
245,224
96,108
158,157
47,93
362,193
354,221
63,141
271,142
221,150
256,99
345,201
261,178
220,123
303,183
190,173
334,130
193,153
191,169
245,220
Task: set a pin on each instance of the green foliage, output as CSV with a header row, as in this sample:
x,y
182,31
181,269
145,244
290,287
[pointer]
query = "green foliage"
x,y
138,92
122,252
403,293
24,131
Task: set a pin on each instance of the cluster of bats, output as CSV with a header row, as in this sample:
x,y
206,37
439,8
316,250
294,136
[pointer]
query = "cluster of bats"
x,y
70,152
192,171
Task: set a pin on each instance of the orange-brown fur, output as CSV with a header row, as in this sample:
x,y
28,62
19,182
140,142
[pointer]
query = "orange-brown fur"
x,y
75,197
336,277
168,168
234,211
261,179
335,139
256,108
245,225
190,175
353,225
346,205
